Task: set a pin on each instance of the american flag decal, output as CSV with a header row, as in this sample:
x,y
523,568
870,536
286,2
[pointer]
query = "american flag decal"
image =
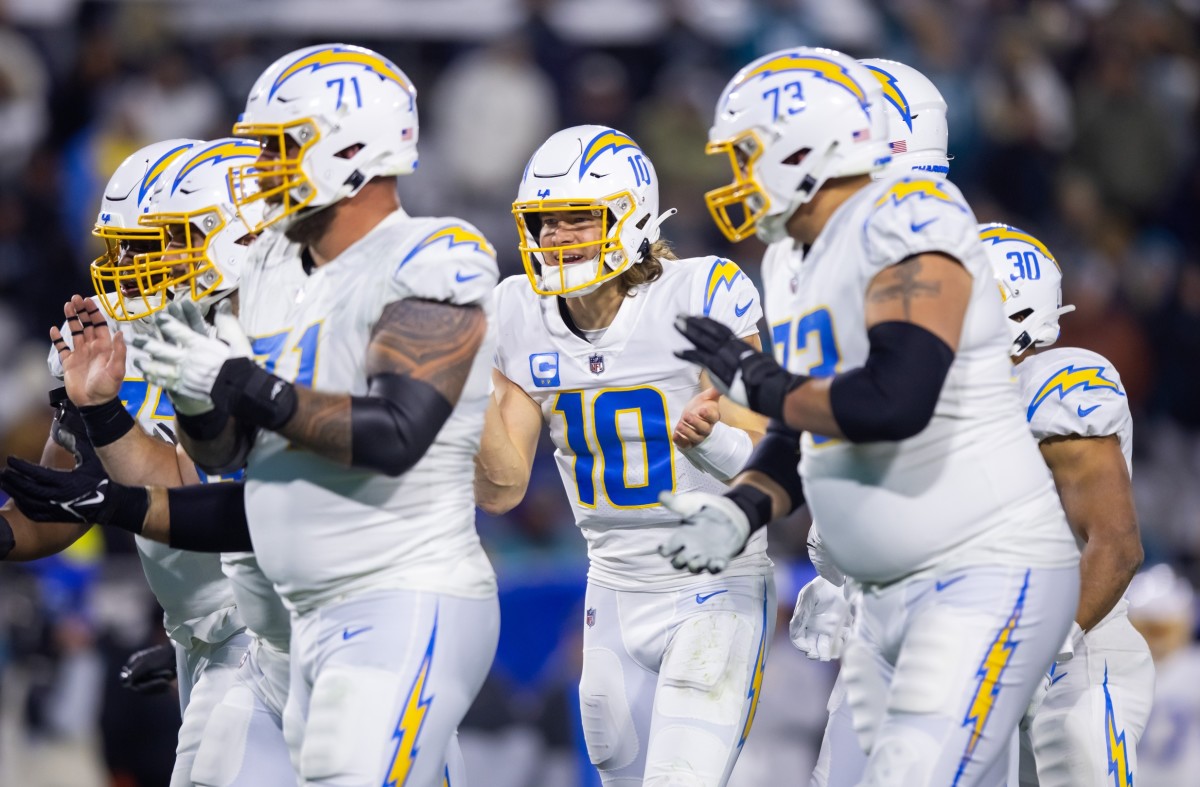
x,y
862,135
899,146
406,133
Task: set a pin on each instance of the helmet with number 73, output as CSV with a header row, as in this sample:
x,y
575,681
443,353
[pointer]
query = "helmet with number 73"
x,y
594,172
126,198
329,119
917,132
206,241
1030,285
789,122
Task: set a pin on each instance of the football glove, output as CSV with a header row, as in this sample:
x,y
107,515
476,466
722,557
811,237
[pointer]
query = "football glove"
x,y
820,624
85,495
712,531
149,671
748,376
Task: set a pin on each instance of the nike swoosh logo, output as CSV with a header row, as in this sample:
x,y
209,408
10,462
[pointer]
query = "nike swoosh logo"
x,y
701,599
458,277
918,227
1085,412
939,586
351,633
1057,678
740,310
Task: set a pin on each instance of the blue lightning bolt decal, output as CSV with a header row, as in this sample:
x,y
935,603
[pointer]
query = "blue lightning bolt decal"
x,y
1067,379
1118,754
412,719
723,274
995,661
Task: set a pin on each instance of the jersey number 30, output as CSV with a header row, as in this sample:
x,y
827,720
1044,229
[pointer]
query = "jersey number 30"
x,y
651,448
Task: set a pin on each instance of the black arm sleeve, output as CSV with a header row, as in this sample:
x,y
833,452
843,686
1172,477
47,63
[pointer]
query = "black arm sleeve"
x,y
777,456
7,541
209,518
393,427
893,395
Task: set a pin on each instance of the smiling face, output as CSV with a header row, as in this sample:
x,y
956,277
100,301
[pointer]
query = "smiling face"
x,y
570,236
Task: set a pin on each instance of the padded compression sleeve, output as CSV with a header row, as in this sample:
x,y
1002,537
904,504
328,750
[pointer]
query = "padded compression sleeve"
x,y
777,456
393,427
209,518
893,395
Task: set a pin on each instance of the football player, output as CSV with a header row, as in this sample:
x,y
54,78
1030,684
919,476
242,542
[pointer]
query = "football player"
x,y
358,425
1084,722
672,665
200,611
929,490
1162,606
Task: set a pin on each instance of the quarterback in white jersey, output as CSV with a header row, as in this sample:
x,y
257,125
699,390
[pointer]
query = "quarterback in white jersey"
x,y
201,615
672,664
930,491
355,400
1084,724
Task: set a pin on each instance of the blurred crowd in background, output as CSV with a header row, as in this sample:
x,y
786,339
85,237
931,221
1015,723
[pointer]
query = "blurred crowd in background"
x,y
1076,120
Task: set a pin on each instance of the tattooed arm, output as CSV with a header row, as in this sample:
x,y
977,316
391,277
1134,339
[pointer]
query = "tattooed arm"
x,y
417,363
914,313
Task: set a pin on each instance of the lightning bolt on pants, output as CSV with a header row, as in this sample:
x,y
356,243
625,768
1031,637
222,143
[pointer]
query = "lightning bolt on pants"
x,y
940,670
380,682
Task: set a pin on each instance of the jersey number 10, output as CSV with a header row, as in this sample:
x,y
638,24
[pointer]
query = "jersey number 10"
x,y
651,449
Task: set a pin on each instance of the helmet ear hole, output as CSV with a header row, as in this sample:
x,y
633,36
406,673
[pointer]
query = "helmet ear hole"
x,y
797,157
349,152
1021,315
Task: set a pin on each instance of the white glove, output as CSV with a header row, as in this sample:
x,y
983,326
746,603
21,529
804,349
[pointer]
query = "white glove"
x,y
821,623
819,557
186,361
712,531
1067,651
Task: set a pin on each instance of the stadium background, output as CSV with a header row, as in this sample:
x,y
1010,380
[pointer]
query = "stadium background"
x,y
1076,120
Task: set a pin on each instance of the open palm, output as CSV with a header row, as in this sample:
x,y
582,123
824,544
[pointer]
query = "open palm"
x,y
94,368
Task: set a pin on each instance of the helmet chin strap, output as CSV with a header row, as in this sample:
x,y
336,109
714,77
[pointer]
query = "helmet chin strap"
x,y
1038,335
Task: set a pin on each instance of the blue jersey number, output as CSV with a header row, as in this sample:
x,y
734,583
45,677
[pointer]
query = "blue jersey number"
x,y
1026,265
134,393
812,331
270,348
650,449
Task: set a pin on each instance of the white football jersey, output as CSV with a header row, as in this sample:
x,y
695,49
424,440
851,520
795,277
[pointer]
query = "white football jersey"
x,y
323,530
197,600
1071,391
972,486
612,405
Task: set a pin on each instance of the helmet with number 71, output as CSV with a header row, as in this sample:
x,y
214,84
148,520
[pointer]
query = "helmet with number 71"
x,y
126,198
329,119
592,172
1030,285
789,122
917,132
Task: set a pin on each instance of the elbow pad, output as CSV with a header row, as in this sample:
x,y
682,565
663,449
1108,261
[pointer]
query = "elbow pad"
x,y
209,518
893,395
777,456
391,429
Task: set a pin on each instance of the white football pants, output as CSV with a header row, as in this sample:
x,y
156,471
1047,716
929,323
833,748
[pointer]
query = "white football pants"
x,y
671,679
380,682
1086,731
938,675
204,674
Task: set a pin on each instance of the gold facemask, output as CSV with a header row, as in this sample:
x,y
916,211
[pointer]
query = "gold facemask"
x,y
744,194
279,180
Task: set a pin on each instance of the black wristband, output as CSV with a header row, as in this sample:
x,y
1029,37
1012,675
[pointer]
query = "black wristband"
x,y
253,395
125,508
206,426
106,423
754,503
7,540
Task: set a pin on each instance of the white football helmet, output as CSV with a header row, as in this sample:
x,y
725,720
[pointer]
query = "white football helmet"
x,y
206,240
917,130
126,198
598,170
310,110
789,121
1030,285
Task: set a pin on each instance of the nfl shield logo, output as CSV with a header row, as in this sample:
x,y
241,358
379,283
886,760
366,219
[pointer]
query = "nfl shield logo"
x,y
590,617
596,363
